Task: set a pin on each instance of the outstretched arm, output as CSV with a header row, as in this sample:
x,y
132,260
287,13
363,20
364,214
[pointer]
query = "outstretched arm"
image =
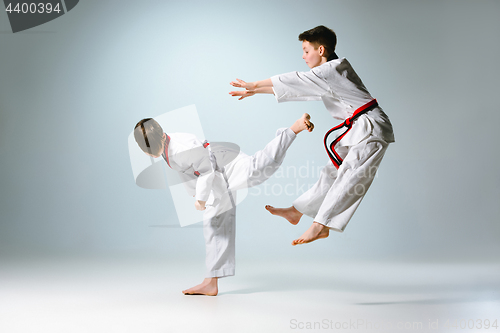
x,y
300,86
251,88
252,85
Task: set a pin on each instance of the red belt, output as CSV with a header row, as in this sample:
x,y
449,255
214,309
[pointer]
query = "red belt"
x,y
330,147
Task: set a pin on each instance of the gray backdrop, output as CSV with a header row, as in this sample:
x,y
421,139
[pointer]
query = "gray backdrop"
x,y
71,91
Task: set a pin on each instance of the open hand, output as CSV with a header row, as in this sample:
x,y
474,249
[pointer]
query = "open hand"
x,y
248,86
242,84
242,93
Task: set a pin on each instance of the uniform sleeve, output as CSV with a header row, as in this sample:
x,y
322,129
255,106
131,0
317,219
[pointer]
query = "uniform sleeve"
x,y
189,182
299,86
206,174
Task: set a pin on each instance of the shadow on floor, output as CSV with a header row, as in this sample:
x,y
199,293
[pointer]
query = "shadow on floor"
x,y
479,292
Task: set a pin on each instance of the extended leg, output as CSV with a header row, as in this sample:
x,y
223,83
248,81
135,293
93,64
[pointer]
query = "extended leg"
x,y
254,170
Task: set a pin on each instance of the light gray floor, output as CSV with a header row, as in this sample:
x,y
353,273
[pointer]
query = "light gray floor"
x,y
144,295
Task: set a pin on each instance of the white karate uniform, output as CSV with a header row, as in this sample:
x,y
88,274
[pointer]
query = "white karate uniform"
x,y
214,175
334,198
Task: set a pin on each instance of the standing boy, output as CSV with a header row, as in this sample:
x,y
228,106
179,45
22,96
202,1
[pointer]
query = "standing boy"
x,y
355,147
212,176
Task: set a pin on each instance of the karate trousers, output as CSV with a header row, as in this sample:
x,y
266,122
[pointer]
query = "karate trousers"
x,y
219,220
337,194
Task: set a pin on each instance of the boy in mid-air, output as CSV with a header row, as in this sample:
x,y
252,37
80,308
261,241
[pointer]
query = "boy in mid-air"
x,y
212,174
355,147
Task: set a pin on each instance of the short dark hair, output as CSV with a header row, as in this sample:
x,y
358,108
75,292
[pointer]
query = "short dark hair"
x,y
149,136
321,35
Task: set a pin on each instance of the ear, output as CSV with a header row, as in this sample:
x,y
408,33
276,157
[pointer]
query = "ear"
x,y
163,140
321,50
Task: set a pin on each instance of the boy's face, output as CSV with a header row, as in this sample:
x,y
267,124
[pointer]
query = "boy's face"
x,y
313,56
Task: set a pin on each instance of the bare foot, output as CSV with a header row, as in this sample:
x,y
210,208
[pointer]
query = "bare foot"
x,y
291,214
207,287
302,124
315,231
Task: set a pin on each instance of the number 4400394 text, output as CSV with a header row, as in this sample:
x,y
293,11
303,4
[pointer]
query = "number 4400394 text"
x,y
33,8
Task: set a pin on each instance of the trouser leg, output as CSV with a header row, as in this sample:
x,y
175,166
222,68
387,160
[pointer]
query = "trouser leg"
x,y
354,177
310,201
219,232
254,170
